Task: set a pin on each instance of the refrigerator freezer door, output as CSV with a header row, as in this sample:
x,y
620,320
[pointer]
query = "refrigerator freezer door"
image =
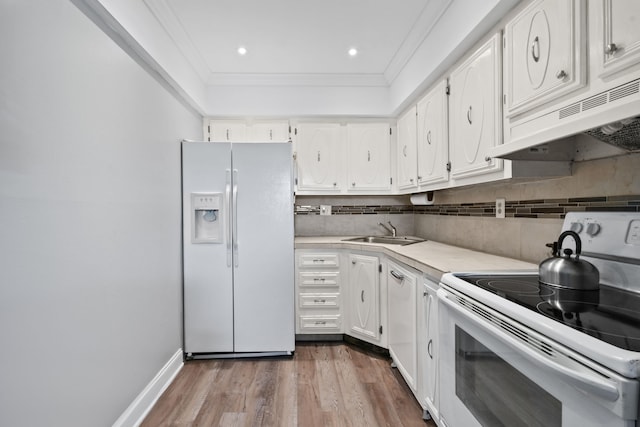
x,y
208,280
264,273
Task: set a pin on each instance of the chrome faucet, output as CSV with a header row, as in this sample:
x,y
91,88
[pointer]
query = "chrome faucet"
x,y
391,230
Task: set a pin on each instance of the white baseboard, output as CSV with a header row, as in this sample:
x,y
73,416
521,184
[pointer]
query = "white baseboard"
x,y
142,404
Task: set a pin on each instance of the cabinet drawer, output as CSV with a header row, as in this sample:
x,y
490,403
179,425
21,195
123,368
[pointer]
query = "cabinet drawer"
x,y
319,279
319,260
319,300
325,323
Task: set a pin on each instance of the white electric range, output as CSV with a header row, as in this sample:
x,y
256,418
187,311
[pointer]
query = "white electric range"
x,y
516,352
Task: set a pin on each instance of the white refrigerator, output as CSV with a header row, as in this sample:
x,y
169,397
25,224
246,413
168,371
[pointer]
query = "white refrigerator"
x,y
238,249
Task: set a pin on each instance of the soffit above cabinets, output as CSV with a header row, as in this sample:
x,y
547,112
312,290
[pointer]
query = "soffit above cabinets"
x,y
294,42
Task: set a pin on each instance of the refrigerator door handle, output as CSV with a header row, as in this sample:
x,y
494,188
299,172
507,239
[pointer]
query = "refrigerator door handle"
x,y
227,201
234,233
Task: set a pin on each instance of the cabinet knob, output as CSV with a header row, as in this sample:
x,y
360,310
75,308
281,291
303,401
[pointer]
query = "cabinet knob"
x,y
561,74
487,159
353,184
611,49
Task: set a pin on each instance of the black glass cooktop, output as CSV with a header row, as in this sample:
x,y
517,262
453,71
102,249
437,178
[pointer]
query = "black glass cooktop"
x,y
609,314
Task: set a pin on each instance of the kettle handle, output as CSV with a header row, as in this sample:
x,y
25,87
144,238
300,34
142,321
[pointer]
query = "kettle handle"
x,y
575,237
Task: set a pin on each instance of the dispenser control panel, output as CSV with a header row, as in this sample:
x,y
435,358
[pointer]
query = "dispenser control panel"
x,y
206,218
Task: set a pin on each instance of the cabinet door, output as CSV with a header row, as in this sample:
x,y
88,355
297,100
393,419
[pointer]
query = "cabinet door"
x,y
402,337
475,113
431,347
228,131
619,45
544,54
319,156
433,138
407,165
368,166
364,297
269,132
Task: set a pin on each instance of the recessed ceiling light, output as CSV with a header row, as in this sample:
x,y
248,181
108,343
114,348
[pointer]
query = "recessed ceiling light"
x,y
242,50
353,51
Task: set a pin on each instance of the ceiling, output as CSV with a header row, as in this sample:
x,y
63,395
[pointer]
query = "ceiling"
x,y
302,42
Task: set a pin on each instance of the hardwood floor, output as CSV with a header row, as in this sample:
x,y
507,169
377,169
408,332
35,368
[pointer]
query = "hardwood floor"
x,y
323,384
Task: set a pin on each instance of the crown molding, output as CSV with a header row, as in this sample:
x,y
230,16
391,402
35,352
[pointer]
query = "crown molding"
x,y
165,15
421,29
333,80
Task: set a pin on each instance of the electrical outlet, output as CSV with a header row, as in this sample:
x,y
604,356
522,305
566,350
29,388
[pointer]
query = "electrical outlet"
x,y
500,207
325,209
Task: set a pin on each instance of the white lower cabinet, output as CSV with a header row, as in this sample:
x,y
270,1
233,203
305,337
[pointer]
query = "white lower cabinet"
x,y
401,289
382,302
318,291
428,395
363,296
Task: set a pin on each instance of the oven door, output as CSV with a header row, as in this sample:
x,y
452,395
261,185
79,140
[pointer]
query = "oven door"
x,y
496,372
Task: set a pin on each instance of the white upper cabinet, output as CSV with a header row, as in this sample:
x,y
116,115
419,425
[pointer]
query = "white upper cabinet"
x,y
228,131
544,58
474,112
269,132
244,131
433,138
618,45
407,165
369,156
319,149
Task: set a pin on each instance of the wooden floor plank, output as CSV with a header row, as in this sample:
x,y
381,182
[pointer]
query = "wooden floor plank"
x,y
323,384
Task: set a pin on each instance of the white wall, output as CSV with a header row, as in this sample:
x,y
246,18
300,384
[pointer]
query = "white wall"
x,y
90,273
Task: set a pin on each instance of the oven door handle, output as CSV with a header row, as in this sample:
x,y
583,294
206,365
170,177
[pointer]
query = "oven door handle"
x,y
591,384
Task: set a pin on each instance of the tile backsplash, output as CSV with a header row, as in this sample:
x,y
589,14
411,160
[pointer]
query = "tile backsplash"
x,y
549,208
466,216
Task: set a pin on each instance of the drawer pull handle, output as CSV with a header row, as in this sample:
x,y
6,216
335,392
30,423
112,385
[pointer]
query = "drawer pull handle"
x,y
320,301
318,260
362,295
397,275
429,348
320,322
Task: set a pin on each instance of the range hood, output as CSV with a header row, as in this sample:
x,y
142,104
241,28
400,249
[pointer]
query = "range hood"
x,y
602,125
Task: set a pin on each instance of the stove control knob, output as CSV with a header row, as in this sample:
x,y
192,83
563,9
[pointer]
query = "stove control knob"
x,y
593,229
576,226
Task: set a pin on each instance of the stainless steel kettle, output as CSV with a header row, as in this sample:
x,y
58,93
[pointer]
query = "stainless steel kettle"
x,y
567,271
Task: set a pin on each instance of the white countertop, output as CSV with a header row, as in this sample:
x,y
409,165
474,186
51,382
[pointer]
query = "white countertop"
x,y
430,257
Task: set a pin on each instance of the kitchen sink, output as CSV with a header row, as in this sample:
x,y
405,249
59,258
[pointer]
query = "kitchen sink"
x,y
386,240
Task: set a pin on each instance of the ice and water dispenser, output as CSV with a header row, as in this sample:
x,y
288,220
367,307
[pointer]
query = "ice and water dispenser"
x,y
206,218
